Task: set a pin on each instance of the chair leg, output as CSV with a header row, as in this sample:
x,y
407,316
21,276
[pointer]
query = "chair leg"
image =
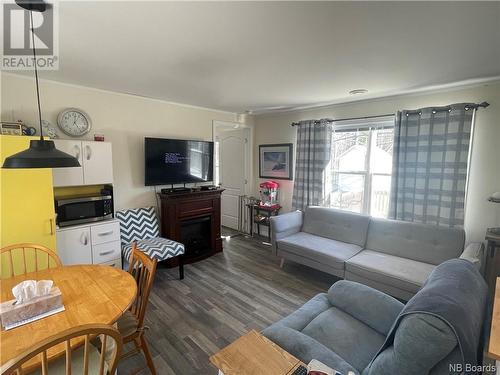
x,y
282,262
181,267
147,354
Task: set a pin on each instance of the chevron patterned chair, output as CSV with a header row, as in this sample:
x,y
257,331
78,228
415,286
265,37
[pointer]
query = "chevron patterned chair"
x,y
140,226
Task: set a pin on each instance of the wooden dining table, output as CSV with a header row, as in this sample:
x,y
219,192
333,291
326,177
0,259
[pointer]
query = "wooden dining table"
x,y
90,293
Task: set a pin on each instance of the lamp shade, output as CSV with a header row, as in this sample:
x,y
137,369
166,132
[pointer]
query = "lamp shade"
x,y
41,154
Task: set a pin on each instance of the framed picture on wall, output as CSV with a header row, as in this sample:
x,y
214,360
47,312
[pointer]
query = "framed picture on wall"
x,y
276,161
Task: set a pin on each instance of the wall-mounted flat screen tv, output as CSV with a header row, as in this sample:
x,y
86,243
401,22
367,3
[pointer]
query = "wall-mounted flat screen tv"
x,y
176,161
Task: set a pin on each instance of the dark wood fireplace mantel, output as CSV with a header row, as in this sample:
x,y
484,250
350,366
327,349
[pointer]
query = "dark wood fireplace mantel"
x,y
178,211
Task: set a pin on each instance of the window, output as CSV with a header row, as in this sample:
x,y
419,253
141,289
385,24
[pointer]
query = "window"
x,y
361,166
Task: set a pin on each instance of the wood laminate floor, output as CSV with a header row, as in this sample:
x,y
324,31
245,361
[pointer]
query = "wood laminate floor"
x,y
220,299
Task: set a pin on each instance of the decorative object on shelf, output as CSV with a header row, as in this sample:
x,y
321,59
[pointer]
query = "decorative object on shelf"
x,y
41,153
48,130
74,122
11,128
269,193
276,161
99,137
30,130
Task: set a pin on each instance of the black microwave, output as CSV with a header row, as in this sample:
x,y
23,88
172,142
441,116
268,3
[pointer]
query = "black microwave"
x,y
83,209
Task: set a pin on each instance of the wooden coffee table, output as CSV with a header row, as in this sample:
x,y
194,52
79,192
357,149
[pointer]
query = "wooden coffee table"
x,y
494,343
254,354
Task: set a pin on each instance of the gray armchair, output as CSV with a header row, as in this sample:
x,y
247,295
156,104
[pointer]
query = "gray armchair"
x,y
343,328
356,328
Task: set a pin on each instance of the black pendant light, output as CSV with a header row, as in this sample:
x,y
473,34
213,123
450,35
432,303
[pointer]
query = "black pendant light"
x,y
41,153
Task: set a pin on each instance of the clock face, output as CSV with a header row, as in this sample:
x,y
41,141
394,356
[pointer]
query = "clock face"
x,y
74,122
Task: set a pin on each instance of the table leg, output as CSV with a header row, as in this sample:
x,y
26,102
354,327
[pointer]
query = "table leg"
x,y
250,213
269,227
490,266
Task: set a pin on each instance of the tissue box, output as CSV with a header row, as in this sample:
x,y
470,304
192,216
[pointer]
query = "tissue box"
x,y
13,313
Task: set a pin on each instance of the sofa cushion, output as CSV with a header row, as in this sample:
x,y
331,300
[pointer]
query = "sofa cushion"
x,y
306,348
403,273
301,317
353,298
158,248
336,224
323,250
425,243
345,335
420,343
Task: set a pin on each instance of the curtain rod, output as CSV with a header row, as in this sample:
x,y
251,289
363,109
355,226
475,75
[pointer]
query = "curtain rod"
x,y
446,108
346,119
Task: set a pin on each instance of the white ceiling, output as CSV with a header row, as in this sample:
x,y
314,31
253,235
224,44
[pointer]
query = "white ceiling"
x,y
239,56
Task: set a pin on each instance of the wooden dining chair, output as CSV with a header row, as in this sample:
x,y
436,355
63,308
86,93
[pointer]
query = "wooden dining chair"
x,y
86,360
131,324
26,257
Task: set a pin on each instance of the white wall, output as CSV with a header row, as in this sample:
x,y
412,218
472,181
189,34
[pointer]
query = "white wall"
x,y
485,164
123,119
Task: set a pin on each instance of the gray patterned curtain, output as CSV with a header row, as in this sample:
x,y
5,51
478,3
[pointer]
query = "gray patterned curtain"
x,y
314,139
431,148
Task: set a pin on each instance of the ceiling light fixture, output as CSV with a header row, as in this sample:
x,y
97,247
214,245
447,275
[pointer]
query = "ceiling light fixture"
x,y
41,153
358,91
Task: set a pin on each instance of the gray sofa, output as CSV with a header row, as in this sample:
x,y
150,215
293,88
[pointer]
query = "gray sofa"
x,y
395,257
356,328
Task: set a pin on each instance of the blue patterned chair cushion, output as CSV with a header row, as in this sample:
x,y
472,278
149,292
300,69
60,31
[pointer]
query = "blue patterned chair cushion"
x,y
138,224
156,248
141,225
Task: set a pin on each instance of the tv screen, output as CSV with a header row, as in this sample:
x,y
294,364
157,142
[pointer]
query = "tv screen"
x,y
175,161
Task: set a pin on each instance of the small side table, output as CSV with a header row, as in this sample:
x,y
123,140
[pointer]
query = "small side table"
x,y
493,238
494,341
260,215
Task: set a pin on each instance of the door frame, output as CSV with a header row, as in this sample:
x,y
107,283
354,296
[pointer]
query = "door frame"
x,y
248,153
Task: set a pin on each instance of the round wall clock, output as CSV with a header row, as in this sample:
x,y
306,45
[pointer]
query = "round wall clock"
x,y
74,122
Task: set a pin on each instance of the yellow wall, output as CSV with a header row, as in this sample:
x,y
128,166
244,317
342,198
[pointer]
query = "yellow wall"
x,y
26,200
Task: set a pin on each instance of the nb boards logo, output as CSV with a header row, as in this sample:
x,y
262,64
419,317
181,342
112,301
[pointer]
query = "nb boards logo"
x,y
17,41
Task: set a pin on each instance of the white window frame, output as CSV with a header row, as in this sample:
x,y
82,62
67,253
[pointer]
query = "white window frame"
x,y
372,124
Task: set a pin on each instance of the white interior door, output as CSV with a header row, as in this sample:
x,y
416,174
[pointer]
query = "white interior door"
x,y
233,156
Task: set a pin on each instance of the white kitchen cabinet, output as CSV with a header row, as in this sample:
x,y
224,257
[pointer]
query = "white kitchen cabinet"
x,y
117,263
69,176
74,245
96,162
106,252
97,243
105,232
